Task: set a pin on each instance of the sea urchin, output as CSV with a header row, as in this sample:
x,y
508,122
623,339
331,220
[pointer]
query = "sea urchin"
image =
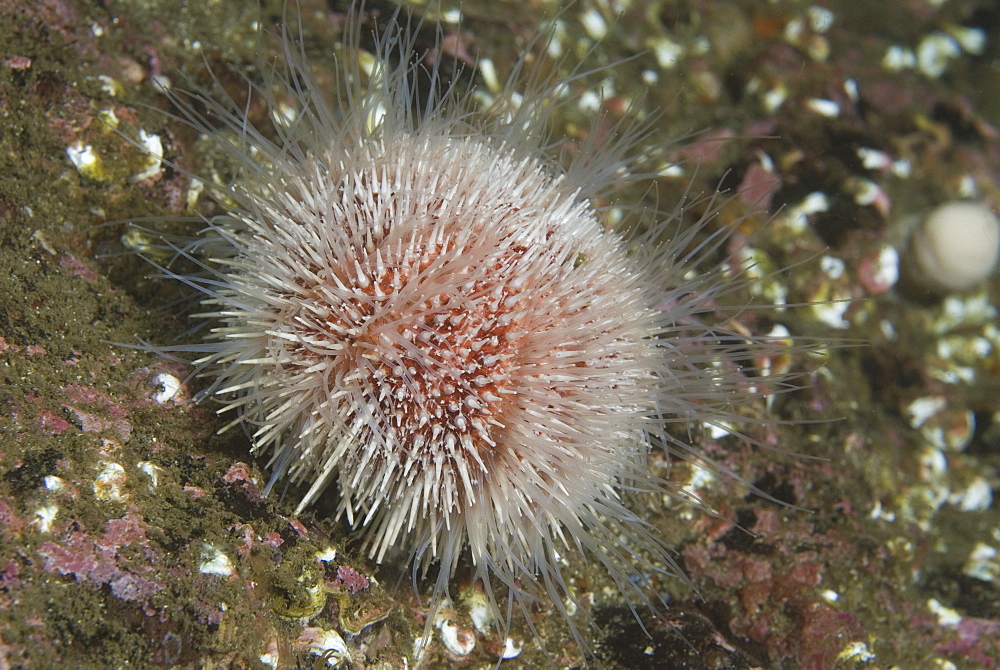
x,y
425,309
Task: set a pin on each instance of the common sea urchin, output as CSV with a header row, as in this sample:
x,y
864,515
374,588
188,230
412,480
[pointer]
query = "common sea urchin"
x,y
425,309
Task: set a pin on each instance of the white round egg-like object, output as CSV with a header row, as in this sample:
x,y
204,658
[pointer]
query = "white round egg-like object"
x,y
956,247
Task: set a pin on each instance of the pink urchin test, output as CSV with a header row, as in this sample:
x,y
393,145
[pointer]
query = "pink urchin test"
x,y
417,310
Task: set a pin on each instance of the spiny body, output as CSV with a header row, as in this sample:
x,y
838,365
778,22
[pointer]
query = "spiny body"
x,y
428,311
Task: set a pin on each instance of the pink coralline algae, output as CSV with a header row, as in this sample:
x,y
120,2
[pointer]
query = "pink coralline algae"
x,y
96,561
351,579
77,267
976,641
102,413
51,423
239,475
9,573
29,350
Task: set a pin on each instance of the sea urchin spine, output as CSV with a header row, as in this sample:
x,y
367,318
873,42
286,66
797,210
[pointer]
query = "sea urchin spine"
x,y
430,313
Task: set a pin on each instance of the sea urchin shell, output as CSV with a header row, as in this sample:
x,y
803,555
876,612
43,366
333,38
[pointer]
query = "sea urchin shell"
x,y
430,313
